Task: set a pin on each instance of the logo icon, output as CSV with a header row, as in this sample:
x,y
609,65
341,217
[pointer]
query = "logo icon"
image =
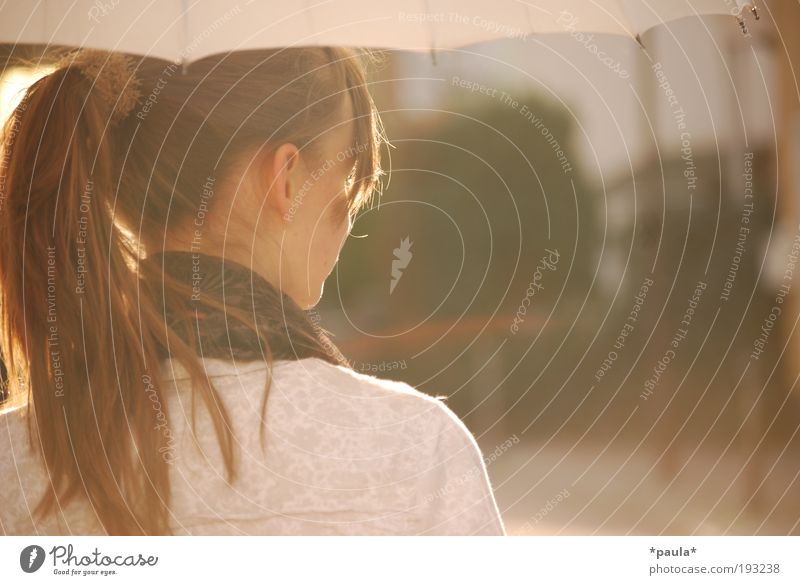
x,y
402,257
31,558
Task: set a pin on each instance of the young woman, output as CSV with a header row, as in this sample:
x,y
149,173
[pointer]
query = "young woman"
x,y
164,234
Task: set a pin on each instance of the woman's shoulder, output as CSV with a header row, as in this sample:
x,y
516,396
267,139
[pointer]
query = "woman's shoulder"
x,y
350,383
454,495
13,432
336,412
365,399
324,391
23,477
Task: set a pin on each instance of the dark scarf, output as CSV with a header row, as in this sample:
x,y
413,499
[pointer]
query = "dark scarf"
x,y
289,332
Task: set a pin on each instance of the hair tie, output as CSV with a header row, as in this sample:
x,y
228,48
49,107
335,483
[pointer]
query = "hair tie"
x,y
113,75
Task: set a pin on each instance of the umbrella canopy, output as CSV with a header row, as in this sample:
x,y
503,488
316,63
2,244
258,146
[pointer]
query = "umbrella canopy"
x,y
182,31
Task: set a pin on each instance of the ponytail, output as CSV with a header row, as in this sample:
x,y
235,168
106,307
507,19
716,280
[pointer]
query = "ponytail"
x,y
68,309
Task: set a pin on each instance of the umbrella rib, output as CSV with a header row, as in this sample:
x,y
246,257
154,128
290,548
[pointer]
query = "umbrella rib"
x,y
185,35
431,31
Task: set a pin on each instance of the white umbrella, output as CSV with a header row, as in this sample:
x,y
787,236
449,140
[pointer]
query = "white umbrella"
x,y
182,31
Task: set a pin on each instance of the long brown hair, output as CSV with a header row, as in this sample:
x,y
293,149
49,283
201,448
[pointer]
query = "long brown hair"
x,y
89,305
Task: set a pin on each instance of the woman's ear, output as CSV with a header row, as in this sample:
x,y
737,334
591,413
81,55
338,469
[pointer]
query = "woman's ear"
x,y
282,170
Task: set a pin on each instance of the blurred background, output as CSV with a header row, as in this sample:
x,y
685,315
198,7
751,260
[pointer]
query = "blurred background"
x,y
587,245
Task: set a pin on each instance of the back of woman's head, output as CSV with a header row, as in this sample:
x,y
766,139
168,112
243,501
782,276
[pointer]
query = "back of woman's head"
x,y
98,171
